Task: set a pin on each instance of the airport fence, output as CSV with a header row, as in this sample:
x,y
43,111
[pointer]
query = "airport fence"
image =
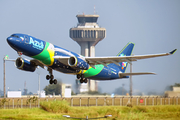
x,y
12,103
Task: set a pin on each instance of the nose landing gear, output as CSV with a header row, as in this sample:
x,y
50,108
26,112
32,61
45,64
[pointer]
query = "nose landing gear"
x,y
51,77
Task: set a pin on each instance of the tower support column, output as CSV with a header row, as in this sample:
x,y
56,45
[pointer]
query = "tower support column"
x,y
87,34
84,48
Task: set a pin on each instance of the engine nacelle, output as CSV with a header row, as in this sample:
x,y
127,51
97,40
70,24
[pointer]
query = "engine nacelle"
x,y
78,63
25,65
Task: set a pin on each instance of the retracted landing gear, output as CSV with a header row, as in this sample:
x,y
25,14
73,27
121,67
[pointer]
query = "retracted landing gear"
x,y
51,77
82,79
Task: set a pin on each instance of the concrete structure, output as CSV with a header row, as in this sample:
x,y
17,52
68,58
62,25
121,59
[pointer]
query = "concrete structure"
x,y
14,94
41,94
66,90
81,87
176,89
174,93
87,34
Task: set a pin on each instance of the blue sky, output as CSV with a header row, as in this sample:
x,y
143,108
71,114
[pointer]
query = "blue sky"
x,y
153,25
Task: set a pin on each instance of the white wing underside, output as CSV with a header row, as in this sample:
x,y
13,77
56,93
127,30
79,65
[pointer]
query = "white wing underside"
x,y
38,63
115,59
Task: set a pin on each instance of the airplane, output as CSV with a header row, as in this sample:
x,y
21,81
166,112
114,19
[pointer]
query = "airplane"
x,y
45,54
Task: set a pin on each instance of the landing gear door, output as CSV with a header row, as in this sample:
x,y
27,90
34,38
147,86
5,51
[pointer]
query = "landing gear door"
x,y
26,38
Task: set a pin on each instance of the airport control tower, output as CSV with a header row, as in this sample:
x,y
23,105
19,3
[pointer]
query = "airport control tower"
x,y
87,34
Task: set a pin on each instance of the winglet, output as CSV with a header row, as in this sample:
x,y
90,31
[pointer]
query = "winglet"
x,y
172,52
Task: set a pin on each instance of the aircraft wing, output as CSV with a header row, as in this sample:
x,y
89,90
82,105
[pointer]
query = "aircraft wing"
x,y
62,59
105,60
37,63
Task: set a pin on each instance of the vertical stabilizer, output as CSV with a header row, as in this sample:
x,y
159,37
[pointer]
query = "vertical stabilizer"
x,y
126,51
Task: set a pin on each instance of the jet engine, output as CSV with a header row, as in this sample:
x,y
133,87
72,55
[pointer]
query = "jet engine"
x,y
78,63
25,65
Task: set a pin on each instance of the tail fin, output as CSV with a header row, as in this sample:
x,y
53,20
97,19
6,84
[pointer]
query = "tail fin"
x,y
126,51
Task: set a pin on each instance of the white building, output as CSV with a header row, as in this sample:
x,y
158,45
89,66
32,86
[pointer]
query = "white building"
x,y
66,90
14,94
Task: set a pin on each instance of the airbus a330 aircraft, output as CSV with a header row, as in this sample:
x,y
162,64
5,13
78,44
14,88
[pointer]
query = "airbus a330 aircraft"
x,y
62,60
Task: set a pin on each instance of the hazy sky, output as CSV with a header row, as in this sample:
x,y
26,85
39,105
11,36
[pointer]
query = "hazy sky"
x,y
153,25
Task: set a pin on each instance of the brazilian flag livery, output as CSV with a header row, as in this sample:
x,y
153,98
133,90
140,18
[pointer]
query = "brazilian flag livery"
x,y
46,56
110,72
62,60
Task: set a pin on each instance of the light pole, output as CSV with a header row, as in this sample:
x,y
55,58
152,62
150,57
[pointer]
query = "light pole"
x,y
131,80
39,84
6,58
38,72
4,78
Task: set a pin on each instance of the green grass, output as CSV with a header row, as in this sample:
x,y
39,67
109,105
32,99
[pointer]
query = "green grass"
x,y
28,114
55,109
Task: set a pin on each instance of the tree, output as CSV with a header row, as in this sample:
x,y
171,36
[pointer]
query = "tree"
x,y
152,93
53,88
30,93
170,87
1,93
176,85
137,92
72,92
93,93
120,91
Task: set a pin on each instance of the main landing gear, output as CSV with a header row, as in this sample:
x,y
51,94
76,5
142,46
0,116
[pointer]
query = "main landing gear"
x,y
82,79
51,77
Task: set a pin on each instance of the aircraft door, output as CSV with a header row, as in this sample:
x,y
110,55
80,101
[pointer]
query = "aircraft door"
x,y
26,38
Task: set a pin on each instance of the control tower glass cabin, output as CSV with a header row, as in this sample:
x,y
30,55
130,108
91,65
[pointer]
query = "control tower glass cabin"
x,y
87,34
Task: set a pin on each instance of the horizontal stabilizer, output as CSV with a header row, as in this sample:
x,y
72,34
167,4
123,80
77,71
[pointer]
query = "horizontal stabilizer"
x,y
121,75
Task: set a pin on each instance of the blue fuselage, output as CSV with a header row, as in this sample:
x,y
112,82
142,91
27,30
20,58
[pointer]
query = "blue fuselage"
x,y
45,52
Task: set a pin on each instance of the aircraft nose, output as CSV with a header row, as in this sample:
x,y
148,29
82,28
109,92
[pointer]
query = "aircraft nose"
x,y
12,41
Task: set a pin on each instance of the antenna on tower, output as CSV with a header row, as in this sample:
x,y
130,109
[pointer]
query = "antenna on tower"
x,y
94,9
25,85
25,89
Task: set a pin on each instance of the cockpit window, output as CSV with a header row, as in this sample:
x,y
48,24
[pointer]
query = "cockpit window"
x,y
15,36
